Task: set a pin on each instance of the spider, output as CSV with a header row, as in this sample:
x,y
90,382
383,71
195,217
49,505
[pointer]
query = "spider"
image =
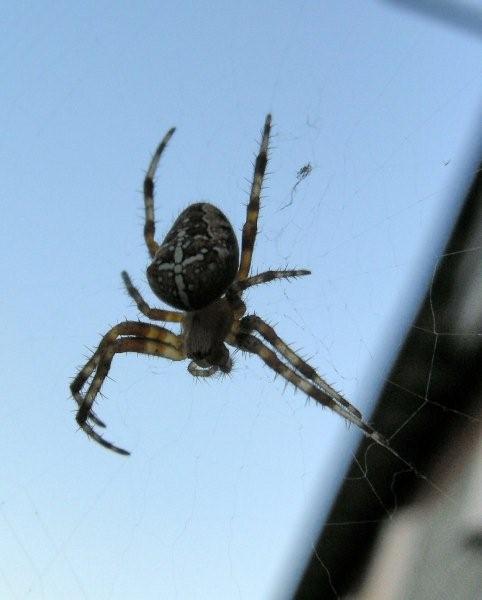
x,y
197,270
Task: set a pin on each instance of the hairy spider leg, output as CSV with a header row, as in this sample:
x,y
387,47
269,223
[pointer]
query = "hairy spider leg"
x,y
149,226
143,332
250,343
127,328
150,347
250,227
155,314
255,323
92,433
265,277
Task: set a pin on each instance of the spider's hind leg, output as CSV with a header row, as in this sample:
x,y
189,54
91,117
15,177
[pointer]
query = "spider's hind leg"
x,y
250,227
149,226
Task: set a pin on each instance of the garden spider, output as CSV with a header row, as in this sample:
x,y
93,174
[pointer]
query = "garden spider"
x,y
197,270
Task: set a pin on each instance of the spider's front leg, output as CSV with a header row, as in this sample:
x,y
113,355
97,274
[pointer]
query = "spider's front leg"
x,y
254,323
130,336
297,371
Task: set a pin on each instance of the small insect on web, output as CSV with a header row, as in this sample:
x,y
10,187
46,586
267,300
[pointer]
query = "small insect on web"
x,y
302,173
199,271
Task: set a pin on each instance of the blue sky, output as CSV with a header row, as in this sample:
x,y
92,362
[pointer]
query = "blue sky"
x,y
228,478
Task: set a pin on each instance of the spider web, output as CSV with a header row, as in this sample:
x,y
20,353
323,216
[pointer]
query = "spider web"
x,y
420,400
230,479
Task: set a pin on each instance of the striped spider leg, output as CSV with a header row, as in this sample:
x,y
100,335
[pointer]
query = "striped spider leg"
x,y
297,371
285,362
250,228
130,336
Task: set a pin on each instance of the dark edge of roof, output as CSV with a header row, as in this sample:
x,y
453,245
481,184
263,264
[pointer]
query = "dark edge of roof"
x,y
454,378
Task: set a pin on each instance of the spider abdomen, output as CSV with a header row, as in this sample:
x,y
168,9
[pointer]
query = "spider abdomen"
x,y
197,260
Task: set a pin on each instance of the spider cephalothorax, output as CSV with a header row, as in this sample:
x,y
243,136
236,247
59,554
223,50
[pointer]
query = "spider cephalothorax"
x,y
197,269
205,331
